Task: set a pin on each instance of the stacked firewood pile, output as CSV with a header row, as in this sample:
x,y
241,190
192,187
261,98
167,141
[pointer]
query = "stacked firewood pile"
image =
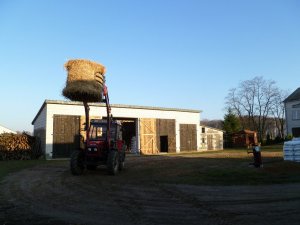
x,y
19,147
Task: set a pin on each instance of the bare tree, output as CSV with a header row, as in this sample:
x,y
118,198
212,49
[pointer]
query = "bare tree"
x,y
253,101
233,103
278,112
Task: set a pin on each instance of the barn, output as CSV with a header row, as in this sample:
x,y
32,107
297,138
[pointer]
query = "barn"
x,y
147,130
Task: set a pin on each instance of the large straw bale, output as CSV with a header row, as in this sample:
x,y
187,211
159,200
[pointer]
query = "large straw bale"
x,y
80,69
85,80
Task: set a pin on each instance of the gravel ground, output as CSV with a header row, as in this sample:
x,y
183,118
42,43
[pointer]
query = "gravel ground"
x,y
48,194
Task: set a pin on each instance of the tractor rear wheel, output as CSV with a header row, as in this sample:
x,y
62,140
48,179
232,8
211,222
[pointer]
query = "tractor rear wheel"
x,y
77,162
113,162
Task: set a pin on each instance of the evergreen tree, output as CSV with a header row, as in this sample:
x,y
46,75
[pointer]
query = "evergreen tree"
x,y
231,122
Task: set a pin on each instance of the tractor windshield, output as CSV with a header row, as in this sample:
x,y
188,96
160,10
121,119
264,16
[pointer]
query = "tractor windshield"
x,y
98,131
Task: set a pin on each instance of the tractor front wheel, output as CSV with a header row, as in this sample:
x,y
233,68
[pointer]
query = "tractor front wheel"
x,y
113,162
77,162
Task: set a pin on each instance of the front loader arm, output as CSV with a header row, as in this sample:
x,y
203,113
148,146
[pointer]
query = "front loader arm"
x,y
108,113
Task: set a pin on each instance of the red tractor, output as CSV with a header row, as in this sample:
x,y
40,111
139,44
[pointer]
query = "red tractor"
x,y
103,144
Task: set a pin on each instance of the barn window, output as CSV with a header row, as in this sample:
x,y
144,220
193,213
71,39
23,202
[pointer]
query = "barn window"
x,y
296,114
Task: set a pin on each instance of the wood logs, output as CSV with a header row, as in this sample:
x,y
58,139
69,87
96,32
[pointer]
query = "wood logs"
x,y
19,147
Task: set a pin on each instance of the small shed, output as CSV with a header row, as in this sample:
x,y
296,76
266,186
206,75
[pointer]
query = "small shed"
x,y
244,138
211,138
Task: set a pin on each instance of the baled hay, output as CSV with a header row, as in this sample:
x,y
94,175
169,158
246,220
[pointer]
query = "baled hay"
x,y
85,80
83,90
80,69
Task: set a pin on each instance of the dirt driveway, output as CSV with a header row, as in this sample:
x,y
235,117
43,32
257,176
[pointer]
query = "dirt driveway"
x,y
48,194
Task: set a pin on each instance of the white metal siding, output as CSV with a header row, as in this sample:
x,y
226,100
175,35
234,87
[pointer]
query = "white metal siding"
x,y
40,124
40,121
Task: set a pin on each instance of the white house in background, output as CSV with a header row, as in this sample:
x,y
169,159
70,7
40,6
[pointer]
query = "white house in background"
x,y
6,130
211,138
292,113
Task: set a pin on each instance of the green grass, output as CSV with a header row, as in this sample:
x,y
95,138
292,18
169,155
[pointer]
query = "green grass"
x,y
222,171
276,148
274,173
225,167
273,148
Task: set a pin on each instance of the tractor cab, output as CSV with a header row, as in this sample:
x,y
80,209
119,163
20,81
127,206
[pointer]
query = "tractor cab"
x,y
101,143
98,131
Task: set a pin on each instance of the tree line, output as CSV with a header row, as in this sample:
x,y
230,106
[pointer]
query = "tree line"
x,y
255,104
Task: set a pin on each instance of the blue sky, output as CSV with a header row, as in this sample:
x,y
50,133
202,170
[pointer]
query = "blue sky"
x,y
168,53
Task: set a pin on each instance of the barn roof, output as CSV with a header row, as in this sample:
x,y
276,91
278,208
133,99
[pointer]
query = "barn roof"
x,y
213,128
245,132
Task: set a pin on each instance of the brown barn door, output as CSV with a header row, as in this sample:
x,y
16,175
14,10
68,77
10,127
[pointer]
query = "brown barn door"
x,y
166,133
148,136
188,137
66,135
209,142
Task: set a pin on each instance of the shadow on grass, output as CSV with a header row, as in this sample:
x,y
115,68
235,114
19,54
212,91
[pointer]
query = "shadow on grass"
x,y
205,171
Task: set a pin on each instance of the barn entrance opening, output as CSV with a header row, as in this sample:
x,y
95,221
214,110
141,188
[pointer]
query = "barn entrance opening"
x,y
163,143
129,130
